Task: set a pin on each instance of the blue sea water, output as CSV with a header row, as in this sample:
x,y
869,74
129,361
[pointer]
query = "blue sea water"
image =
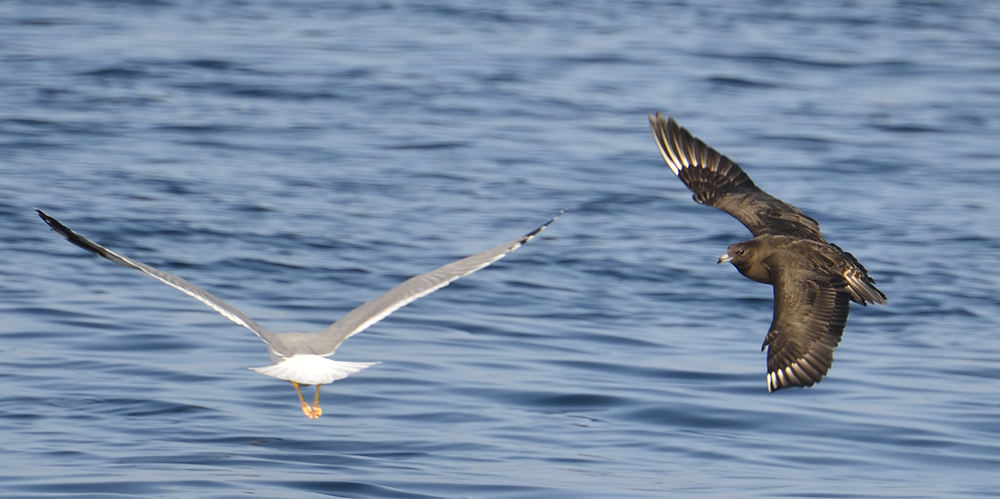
x,y
297,158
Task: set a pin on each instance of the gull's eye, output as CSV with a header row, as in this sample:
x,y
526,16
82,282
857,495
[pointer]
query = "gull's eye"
x,y
740,252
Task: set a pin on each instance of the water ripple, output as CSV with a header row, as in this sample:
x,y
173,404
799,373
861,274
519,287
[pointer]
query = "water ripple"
x,y
299,158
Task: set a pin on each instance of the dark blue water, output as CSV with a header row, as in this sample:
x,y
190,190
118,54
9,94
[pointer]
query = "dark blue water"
x,y
299,158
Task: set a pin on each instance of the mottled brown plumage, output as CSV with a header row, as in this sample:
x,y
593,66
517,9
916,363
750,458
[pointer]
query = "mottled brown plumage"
x,y
814,281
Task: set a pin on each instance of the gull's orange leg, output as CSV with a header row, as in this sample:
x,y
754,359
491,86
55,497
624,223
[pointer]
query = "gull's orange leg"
x,y
305,406
317,410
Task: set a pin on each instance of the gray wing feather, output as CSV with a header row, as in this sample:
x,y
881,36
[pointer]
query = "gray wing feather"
x,y
717,181
325,342
167,278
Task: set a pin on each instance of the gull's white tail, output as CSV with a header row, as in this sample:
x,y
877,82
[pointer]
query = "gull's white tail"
x,y
312,369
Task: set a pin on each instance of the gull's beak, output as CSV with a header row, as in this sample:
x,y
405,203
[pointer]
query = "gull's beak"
x,y
725,258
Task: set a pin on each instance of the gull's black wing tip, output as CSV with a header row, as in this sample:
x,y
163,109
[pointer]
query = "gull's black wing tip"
x,y
54,224
530,235
79,240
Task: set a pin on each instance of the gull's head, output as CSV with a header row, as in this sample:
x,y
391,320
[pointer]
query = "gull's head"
x,y
738,253
750,259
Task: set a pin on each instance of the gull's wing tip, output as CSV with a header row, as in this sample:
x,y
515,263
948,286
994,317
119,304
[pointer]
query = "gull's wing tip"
x,y
44,216
54,224
78,240
561,213
664,133
527,237
657,116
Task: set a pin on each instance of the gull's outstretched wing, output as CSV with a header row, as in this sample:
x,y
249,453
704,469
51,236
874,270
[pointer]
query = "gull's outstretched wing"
x,y
717,181
325,342
810,312
169,279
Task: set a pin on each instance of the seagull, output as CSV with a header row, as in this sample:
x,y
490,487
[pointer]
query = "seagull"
x,y
301,358
814,281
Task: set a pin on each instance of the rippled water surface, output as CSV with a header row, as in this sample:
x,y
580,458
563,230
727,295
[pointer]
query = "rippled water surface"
x,y
299,158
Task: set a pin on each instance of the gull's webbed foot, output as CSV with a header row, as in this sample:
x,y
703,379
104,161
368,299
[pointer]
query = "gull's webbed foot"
x,y
309,411
316,409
